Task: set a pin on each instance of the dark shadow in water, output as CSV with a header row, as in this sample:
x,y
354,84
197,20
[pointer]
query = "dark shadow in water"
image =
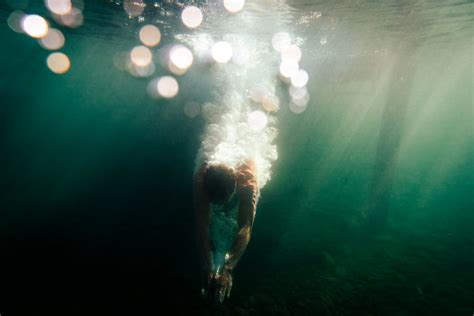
x,y
392,126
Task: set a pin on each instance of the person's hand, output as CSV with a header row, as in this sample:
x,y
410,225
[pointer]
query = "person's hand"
x,y
220,285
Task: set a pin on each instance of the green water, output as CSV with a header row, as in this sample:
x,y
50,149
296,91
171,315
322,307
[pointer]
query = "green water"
x,y
369,210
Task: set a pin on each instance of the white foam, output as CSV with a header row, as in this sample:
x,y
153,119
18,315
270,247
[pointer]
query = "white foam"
x,y
229,140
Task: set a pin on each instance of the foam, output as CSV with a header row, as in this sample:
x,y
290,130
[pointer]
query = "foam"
x,y
229,140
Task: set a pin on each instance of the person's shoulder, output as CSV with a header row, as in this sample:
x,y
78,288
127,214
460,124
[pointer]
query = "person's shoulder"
x,y
247,166
246,175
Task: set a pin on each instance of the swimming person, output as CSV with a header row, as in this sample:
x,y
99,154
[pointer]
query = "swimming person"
x,y
217,186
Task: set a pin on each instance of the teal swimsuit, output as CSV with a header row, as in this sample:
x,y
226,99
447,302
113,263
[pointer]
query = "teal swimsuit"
x,y
223,228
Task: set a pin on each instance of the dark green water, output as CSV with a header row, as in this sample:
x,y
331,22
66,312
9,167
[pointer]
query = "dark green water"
x,y
369,210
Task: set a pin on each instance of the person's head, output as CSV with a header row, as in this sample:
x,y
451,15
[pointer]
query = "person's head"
x,y
219,183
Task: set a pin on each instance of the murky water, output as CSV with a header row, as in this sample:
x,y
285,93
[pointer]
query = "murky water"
x,y
367,210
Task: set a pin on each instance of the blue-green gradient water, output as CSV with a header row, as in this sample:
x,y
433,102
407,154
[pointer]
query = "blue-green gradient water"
x,y
369,210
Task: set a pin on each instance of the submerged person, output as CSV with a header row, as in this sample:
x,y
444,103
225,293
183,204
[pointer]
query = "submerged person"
x,y
225,188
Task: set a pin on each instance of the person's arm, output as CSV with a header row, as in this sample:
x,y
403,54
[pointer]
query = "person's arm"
x,y
202,217
248,191
248,194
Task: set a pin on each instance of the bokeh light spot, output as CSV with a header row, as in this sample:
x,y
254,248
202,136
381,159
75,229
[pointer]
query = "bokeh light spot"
x,y
60,7
134,8
175,70
192,109
292,53
140,71
222,52
58,63
73,19
303,101
288,68
181,57
297,109
271,103
280,41
141,56
121,60
14,21
300,78
297,93
234,6
192,16
35,26
257,93
150,35
167,87
53,40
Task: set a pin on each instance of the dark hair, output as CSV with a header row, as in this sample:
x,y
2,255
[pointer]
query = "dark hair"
x,y
219,183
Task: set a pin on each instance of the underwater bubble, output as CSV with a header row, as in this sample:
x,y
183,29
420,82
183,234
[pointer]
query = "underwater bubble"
x,y
59,7
257,120
150,35
292,53
192,109
35,26
234,6
181,57
167,87
14,21
323,41
53,40
222,52
141,56
280,41
192,16
134,8
288,68
300,78
58,63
